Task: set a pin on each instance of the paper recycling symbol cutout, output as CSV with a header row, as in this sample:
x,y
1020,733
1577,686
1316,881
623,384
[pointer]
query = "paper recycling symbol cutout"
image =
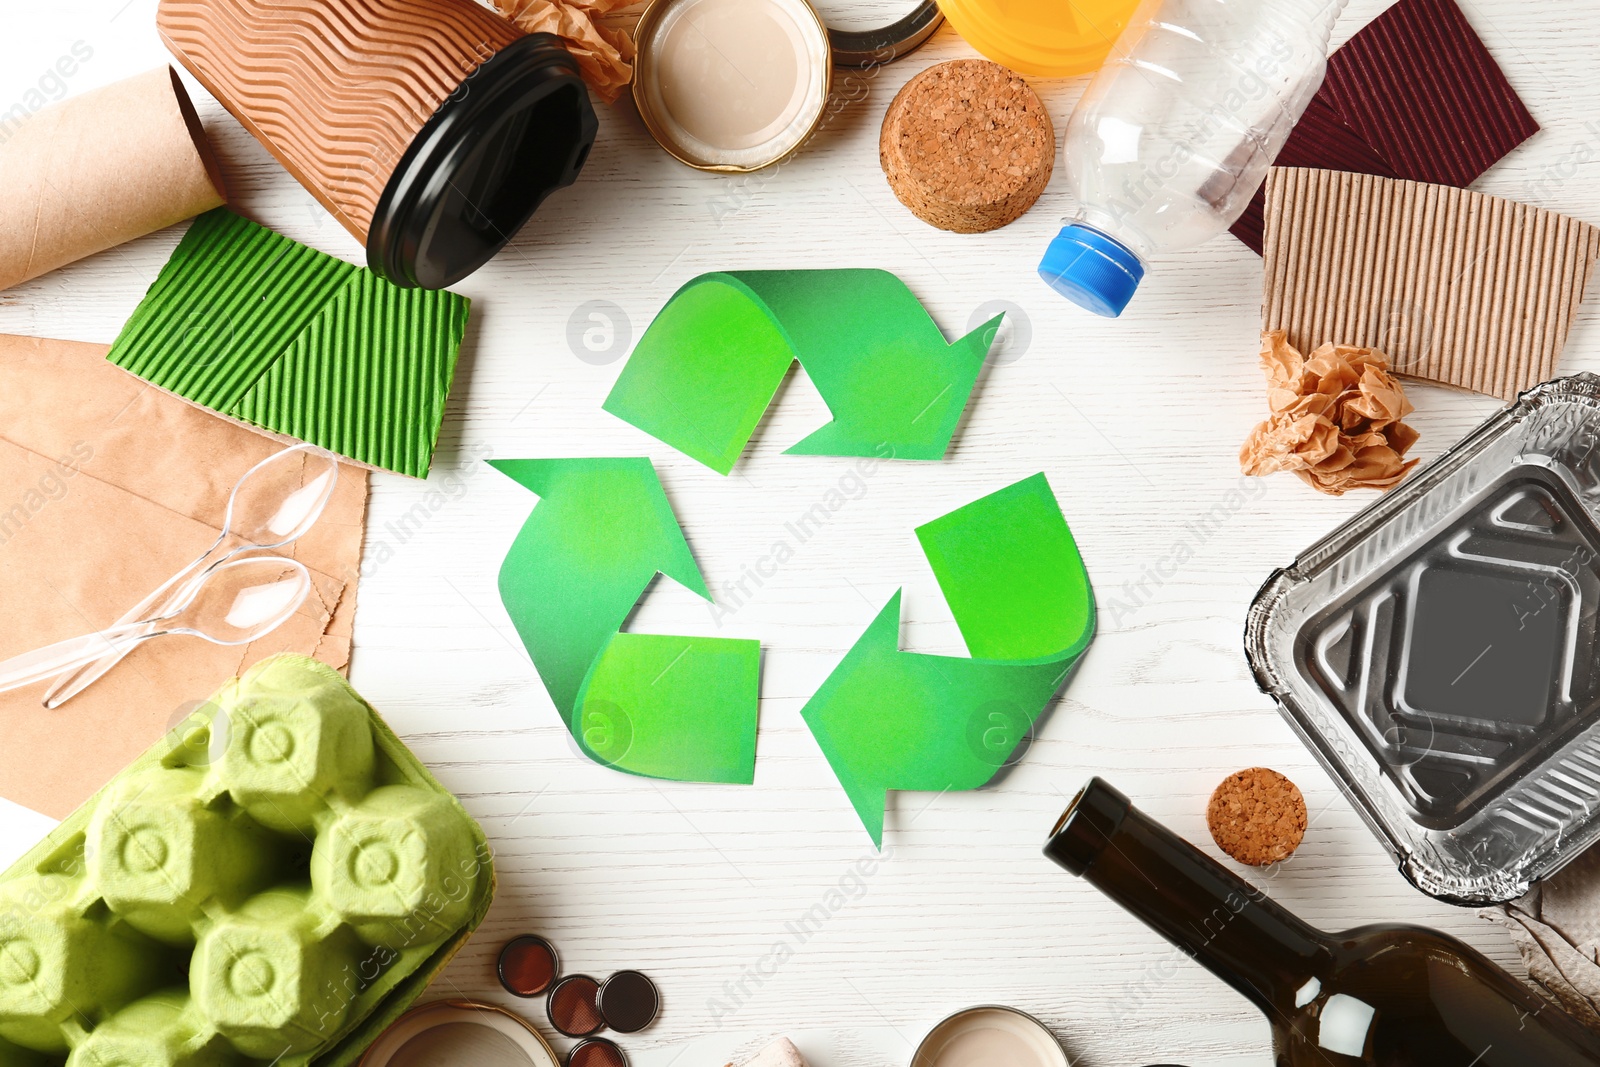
x,y
685,708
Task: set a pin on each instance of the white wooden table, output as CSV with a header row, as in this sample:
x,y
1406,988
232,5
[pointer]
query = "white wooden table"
x,y
1137,423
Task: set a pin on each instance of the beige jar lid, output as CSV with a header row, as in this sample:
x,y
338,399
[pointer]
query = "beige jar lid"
x,y
988,1034
731,85
459,1033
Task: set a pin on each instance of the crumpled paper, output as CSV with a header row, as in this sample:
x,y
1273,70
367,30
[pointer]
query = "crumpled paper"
x,y
1335,418
1556,928
604,53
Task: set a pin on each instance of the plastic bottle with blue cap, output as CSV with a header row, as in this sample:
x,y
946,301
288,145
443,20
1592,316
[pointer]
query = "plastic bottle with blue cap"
x,y
1176,132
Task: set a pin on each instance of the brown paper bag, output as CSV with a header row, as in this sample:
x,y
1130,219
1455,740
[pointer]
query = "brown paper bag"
x,y
107,487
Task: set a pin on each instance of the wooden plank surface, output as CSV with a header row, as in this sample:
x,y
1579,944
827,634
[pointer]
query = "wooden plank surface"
x,y
1137,423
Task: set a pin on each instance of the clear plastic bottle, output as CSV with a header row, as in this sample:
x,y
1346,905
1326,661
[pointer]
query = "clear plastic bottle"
x,y
1175,134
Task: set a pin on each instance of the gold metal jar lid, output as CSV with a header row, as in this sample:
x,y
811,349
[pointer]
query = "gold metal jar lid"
x,y
731,85
990,1033
460,1033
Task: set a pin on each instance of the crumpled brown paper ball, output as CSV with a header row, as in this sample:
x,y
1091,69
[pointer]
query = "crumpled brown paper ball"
x,y
1335,418
604,53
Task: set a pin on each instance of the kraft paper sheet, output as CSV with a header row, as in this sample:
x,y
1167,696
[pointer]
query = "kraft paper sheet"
x,y
107,487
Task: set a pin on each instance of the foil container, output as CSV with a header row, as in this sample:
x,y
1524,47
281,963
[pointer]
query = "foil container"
x,y
1438,652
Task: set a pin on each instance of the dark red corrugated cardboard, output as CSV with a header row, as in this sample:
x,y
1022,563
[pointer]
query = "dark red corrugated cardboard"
x,y
1414,95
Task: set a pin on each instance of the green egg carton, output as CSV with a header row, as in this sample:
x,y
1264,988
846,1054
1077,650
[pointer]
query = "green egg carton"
x,y
274,883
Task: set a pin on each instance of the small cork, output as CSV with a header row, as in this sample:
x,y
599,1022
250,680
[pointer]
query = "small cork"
x,y
967,146
1257,816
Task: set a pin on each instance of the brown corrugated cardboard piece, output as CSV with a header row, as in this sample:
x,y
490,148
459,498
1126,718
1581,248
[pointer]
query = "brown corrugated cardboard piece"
x,y
107,487
1454,286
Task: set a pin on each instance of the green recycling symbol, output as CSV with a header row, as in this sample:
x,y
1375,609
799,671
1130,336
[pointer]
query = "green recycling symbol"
x,y
685,708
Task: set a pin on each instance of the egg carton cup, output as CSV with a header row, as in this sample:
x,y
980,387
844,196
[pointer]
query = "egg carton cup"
x,y
274,883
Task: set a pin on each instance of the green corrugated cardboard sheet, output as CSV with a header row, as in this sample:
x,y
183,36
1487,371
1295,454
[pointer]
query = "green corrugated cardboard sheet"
x,y
262,329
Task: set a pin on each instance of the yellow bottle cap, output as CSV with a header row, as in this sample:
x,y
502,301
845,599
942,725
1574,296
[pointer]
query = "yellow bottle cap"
x,y
1044,38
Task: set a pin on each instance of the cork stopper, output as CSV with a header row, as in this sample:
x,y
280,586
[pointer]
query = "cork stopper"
x,y
967,146
1257,816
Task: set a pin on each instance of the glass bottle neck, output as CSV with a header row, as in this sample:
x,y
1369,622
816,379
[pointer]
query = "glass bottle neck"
x,y
1221,921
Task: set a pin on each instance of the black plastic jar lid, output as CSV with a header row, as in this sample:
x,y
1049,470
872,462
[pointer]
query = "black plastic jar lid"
x,y
629,1001
596,1052
517,129
528,965
574,1006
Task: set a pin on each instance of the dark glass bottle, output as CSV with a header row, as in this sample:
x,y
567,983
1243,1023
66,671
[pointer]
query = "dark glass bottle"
x,y
1388,995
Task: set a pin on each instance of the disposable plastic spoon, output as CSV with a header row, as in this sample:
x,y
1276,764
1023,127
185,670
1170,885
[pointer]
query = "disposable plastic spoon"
x,y
274,502
233,603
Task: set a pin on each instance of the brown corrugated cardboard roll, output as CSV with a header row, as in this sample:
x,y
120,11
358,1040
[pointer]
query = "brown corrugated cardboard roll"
x,y
1454,286
431,129
100,169
337,91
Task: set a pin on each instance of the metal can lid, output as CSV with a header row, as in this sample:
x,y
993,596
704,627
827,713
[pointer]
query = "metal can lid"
x,y
528,965
629,1001
574,1006
596,1052
449,1032
870,49
731,85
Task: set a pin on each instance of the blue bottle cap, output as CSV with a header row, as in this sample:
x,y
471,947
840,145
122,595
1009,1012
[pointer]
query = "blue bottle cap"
x,y
1091,270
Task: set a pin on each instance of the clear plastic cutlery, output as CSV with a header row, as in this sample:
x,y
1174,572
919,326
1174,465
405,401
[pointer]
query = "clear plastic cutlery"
x,y
232,603
274,503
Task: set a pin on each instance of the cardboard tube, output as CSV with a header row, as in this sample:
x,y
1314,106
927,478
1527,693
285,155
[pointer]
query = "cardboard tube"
x,y
100,169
